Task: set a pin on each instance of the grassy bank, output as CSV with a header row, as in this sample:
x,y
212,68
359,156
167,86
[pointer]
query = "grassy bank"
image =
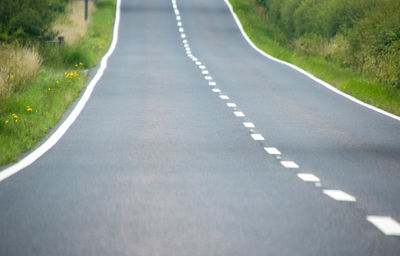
x,y
363,87
27,115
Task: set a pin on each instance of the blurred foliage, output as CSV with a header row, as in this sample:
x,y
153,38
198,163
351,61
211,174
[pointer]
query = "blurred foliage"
x,y
28,20
360,34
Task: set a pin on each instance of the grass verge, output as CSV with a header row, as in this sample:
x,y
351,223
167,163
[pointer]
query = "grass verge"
x,y
26,117
366,89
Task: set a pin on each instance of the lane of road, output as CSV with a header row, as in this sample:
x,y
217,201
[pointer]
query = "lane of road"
x,y
161,163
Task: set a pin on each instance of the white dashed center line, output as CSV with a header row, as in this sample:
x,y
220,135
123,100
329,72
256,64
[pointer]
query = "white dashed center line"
x,y
272,151
339,195
257,136
208,77
212,83
386,224
231,105
224,97
205,72
238,114
289,164
248,124
308,177
216,90
202,67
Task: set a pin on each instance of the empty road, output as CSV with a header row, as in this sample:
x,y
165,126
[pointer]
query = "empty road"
x,y
193,143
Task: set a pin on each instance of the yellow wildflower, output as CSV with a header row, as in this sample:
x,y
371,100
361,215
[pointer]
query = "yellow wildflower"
x,y
48,89
80,63
6,121
57,82
16,120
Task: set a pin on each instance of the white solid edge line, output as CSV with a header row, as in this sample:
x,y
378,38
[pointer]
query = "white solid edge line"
x,y
323,83
61,130
386,224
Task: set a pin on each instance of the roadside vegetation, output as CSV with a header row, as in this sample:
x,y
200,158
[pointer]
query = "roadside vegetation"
x,y
40,78
353,45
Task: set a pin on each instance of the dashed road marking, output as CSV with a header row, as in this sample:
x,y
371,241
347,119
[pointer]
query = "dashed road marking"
x,y
289,164
339,195
212,83
208,77
257,136
183,35
224,97
181,29
238,113
179,24
248,124
198,63
308,177
272,151
231,105
178,17
202,67
205,72
216,90
386,224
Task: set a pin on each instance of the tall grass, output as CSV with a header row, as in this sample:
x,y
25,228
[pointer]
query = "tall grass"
x,y
72,26
18,68
28,115
316,55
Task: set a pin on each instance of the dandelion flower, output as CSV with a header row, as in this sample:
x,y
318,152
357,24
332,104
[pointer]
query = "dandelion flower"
x,y
48,89
6,122
16,120
80,63
57,82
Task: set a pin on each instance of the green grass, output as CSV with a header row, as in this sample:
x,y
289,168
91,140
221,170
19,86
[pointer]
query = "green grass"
x,y
27,117
366,89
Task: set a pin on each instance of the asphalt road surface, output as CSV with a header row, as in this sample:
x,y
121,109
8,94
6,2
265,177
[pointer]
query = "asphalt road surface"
x,y
158,162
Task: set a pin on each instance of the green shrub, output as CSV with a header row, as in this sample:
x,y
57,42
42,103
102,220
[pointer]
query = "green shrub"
x,y
27,20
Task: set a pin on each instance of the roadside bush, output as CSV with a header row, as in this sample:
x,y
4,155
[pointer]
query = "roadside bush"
x,y
360,34
27,20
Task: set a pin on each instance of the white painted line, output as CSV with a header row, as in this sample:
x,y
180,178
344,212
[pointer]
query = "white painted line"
x,y
216,90
208,77
176,12
62,129
386,224
181,29
198,63
323,83
185,41
224,97
257,136
212,83
178,17
272,151
339,195
231,105
289,164
248,124
238,113
179,24
186,45
183,35
205,72
202,67
308,177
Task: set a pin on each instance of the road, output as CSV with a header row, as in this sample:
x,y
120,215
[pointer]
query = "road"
x,y
157,163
